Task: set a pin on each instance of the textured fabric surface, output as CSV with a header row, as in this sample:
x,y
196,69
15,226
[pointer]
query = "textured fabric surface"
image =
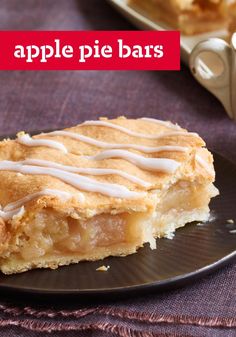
x,y
205,308
45,100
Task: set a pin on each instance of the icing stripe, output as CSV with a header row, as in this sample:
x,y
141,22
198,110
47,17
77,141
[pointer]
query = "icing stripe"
x,y
16,209
75,180
29,141
63,196
204,164
137,134
150,164
105,145
88,171
6,215
163,123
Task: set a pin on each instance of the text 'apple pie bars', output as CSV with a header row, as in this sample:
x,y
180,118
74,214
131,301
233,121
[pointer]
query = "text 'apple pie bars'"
x,y
98,189
189,16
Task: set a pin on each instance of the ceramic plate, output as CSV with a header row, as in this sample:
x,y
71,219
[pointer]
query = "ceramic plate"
x,y
195,251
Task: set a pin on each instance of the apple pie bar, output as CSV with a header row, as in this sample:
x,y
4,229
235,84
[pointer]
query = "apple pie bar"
x,y
102,188
188,16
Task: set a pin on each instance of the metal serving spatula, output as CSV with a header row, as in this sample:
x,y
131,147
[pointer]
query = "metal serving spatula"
x,y
222,83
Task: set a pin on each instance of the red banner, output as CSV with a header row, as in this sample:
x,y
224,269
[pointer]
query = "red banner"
x,y
89,50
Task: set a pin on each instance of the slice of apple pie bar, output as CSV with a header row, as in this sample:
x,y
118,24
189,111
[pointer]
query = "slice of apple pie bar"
x,y
98,189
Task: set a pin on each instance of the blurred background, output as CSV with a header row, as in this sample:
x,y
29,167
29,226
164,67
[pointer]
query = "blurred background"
x,y
56,99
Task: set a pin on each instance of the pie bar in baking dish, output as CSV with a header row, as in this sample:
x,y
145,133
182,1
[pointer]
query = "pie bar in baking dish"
x,y
232,17
98,189
189,16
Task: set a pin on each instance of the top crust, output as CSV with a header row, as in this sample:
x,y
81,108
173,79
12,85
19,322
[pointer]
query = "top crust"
x,y
14,186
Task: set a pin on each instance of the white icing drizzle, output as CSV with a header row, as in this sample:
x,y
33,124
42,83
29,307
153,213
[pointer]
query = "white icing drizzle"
x,y
163,123
137,134
6,215
17,209
75,180
150,164
105,145
63,196
204,164
29,141
87,171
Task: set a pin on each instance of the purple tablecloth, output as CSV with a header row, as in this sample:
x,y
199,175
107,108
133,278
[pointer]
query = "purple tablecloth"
x,y
44,100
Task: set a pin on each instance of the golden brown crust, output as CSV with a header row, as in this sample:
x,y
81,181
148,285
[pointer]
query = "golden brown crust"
x,y
4,236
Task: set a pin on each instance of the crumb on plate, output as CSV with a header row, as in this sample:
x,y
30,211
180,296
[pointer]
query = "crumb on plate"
x,y
200,224
233,231
103,268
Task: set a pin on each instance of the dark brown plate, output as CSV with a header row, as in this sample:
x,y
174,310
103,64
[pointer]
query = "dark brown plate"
x,y
195,251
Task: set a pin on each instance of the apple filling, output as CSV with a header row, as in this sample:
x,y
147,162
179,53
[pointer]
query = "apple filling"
x,y
48,233
52,233
51,236
184,202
